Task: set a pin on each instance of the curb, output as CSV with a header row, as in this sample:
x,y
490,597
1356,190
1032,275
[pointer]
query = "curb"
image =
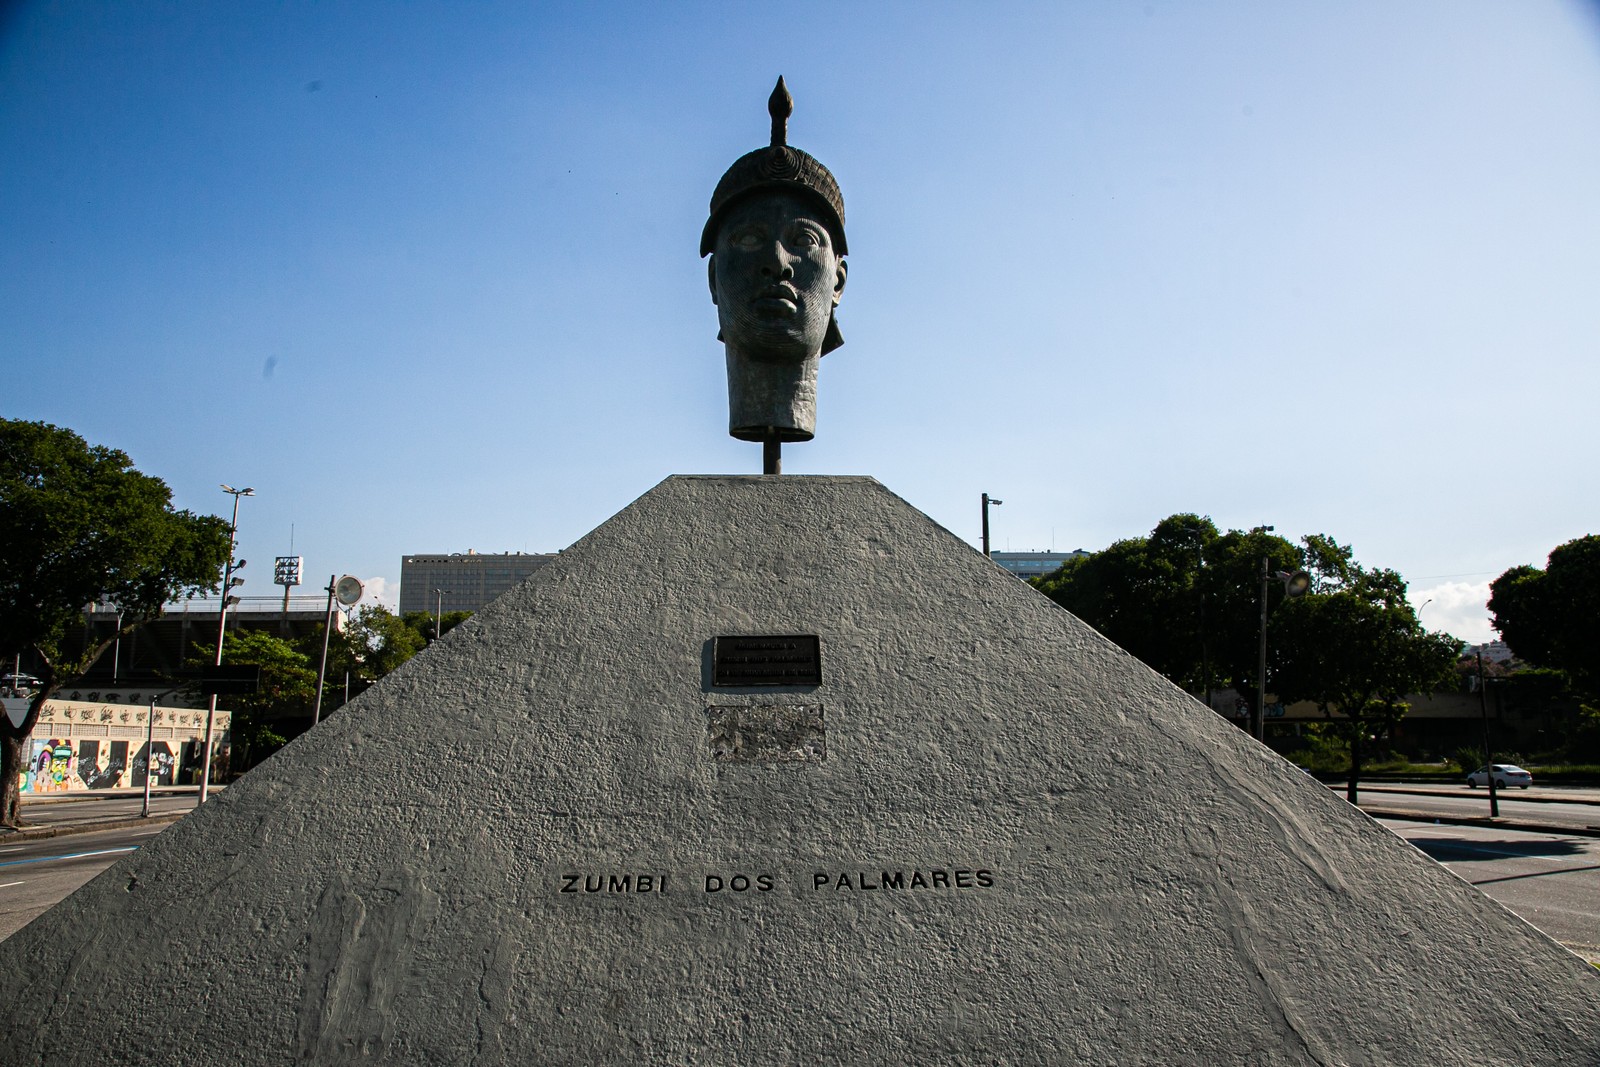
x,y
1520,796
1484,821
38,833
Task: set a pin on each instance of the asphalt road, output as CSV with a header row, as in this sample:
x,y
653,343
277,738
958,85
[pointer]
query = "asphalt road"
x,y
57,813
1566,809
1551,880
36,874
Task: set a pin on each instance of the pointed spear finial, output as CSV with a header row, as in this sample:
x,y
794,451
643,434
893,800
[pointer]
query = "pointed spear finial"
x,y
780,105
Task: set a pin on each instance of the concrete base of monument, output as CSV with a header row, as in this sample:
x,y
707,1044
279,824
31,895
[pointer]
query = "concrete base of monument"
x,y
776,770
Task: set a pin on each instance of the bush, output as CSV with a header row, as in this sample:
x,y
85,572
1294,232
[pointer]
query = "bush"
x,y
1323,751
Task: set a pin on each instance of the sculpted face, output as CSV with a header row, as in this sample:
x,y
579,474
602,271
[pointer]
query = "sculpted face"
x,y
775,277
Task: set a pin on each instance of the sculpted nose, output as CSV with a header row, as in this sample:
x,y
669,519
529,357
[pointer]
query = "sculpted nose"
x,y
778,263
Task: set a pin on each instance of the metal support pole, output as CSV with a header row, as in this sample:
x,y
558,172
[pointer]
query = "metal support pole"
x,y
150,754
1488,753
322,669
1258,726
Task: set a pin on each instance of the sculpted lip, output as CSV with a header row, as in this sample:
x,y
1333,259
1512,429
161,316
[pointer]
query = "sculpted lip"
x,y
778,296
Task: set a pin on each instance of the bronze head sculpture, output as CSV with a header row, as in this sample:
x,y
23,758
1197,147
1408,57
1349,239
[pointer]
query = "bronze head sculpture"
x,y
777,245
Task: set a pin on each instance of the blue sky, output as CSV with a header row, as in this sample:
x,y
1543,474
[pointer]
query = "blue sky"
x,y
424,275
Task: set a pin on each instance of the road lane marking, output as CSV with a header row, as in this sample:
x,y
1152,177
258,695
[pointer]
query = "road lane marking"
x,y
70,856
14,848
8,885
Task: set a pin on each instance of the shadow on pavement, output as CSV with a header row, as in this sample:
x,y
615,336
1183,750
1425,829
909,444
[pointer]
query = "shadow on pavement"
x,y
1484,851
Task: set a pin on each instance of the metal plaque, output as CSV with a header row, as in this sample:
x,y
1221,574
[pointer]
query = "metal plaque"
x,y
773,659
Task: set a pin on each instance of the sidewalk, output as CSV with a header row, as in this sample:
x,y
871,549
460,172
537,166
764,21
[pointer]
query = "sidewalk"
x,y
84,811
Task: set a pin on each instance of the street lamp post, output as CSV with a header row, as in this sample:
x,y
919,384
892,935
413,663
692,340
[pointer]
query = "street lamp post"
x,y
150,753
1488,756
228,584
988,501
438,613
348,592
1295,583
322,671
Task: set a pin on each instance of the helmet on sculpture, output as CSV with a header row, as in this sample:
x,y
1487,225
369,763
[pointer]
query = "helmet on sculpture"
x,y
778,166
785,168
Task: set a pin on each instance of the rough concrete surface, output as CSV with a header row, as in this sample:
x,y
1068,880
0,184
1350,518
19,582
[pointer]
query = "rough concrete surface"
x,y
1092,866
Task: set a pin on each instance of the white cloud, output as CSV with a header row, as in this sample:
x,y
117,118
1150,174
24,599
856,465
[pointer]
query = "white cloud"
x,y
1459,608
377,589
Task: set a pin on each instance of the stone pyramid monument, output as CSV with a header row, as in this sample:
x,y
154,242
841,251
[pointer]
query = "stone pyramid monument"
x,y
772,770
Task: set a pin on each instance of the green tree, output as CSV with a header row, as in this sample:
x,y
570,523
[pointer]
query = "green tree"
x,y
79,523
1184,600
374,642
280,708
1354,644
1551,617
423,623
1231,587
381,640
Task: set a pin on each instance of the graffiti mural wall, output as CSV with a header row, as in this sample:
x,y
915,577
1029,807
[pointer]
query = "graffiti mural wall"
x,y
78,746
50,768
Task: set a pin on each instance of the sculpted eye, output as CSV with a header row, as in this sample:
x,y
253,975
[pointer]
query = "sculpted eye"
x,y
807,238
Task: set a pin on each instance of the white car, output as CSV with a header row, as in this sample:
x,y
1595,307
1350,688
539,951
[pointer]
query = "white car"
x,y
1505,775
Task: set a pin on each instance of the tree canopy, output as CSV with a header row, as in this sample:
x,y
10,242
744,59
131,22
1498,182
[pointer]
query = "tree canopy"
x,y
1186,601
1354,645
424,623
79,524
280,708
1551,617
374,642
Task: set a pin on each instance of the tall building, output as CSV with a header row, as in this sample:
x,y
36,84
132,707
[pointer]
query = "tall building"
x,y
467,581
1033,564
